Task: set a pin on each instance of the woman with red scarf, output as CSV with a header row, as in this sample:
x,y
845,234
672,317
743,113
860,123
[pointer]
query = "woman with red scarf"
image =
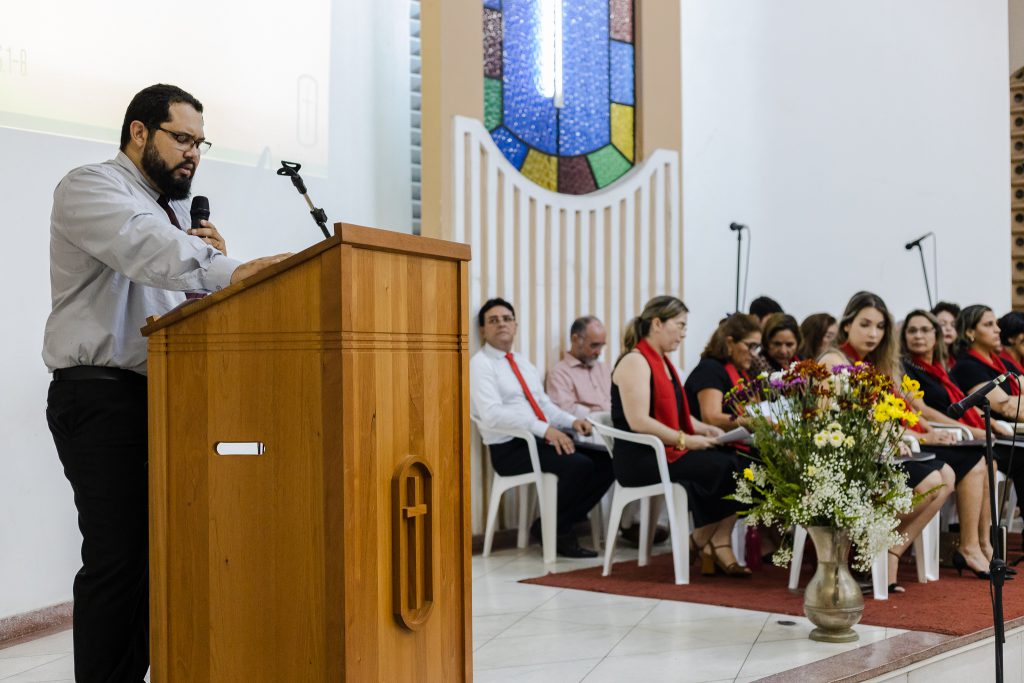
x,y
1011,337
731,354
648,398
866,335
924,359
977,349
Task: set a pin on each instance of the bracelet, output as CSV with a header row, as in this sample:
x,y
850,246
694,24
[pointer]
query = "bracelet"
x,y
681,441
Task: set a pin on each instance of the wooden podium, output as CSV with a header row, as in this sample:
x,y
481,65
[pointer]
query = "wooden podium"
x,y
309,470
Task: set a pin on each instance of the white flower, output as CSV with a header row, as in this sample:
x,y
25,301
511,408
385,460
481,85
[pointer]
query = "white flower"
x,y
849,442
820,439
835,427
836,439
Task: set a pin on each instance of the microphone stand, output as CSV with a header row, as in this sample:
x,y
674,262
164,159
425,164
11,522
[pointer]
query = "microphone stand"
x,y
997,565
739,246
924,269
291,169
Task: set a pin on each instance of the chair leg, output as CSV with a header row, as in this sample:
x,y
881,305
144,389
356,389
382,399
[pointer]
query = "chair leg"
x,y
596,520
926,552
679,534
549,515
614,519
799,541
880,576
492,516
739,541
645,522
523,538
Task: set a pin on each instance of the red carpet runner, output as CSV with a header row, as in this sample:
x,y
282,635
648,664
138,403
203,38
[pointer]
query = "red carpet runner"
x,y
952,605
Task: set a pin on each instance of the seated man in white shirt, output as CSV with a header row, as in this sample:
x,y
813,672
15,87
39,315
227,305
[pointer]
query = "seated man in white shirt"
x,y
506,394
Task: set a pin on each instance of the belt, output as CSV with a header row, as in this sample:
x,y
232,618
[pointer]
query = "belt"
x,y
84,372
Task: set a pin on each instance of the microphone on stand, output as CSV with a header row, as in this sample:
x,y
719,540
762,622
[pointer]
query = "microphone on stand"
x,y
738,228
200,210
291,169
957,410
910,245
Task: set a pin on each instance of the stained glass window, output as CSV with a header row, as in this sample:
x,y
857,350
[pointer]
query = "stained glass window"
x,y
559,89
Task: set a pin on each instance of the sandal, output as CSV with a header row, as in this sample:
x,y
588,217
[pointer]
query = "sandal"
x,y
710,562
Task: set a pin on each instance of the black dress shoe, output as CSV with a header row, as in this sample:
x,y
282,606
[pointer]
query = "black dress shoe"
x,y
631,535
569,546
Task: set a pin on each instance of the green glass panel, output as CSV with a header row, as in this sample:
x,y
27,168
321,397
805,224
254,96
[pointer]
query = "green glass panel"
x,y
492,103
608,165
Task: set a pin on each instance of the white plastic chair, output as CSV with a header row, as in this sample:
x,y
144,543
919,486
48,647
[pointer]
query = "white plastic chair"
x,y
674,495
546,485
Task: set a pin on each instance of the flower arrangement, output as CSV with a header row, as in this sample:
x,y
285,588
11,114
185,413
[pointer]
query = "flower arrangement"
x,y
826,443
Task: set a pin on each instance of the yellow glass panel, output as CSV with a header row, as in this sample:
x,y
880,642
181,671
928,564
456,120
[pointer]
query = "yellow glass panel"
x,y
542,169
622,129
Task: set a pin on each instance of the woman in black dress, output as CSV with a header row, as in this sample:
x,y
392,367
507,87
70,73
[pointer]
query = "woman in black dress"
x,y
977,349
866,335
648,398
730,355
924,359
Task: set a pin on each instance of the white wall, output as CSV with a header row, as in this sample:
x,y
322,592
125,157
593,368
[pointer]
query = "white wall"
x,y
838,132
258,212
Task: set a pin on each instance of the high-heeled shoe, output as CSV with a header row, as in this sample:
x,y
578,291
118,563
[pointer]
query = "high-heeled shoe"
x,y
960,564
712,561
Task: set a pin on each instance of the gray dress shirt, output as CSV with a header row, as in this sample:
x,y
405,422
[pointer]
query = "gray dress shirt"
x,y
115,259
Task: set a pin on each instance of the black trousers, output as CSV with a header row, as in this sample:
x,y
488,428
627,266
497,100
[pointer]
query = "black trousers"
x,y
100,430
583,476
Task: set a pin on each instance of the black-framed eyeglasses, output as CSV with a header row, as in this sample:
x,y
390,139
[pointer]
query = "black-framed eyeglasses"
x,y
186,141
498,319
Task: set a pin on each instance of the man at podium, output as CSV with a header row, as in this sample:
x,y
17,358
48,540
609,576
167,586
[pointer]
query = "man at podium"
x,y
121,250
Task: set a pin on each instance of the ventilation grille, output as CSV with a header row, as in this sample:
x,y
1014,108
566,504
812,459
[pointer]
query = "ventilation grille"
x,y
1017,187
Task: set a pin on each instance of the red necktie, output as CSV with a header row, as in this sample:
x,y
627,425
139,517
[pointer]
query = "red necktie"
x,y
526,390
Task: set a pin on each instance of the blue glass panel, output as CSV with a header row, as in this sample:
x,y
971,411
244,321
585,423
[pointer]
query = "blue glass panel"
x,y
622,72
512,149
584,121
492,4
527,112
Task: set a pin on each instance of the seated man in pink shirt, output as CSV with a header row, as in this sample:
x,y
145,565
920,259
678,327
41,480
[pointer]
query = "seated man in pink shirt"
x,y
581,384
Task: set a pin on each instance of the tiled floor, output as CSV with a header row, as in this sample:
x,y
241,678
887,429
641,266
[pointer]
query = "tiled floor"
x,y
536,633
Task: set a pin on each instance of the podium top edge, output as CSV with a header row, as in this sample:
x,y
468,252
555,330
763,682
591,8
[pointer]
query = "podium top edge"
x,y
344,234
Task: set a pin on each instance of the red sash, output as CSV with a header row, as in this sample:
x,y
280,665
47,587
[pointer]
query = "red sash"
x,y
735,373
663,400
971,418
1012,365
993,362
734,377
850,353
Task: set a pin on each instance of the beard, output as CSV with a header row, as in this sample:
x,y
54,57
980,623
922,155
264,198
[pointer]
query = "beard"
x,y
163,175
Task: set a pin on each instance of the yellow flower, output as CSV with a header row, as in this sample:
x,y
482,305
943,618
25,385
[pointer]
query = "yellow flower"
x,y
748,474
910,386
811,470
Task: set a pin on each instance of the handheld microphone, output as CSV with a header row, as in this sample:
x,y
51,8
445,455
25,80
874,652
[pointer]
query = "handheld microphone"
x,y
957,410
737,226
910,245
200,210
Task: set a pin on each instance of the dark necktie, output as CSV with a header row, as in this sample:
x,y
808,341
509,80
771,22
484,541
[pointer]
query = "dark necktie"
x,y
526,390
165,204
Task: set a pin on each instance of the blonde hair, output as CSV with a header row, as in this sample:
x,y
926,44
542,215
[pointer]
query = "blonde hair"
x,y
663,308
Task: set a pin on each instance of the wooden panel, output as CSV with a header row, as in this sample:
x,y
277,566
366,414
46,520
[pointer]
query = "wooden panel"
x,y
409,401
